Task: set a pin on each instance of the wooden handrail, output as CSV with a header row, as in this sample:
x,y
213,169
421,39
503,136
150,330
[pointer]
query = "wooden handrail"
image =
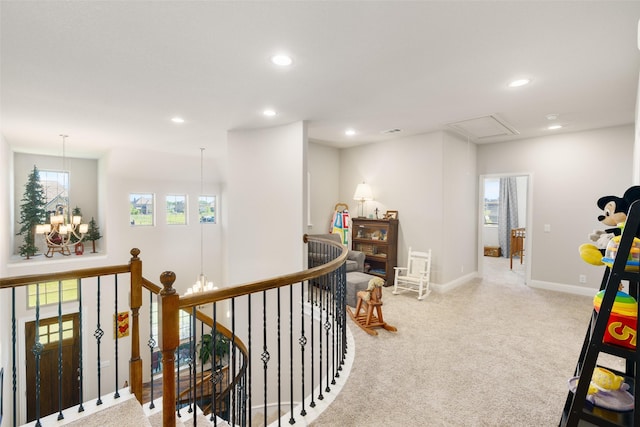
x,y
17,281
208,297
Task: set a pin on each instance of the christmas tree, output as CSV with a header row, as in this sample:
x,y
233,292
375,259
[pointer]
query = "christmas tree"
x,y
93,234
32,213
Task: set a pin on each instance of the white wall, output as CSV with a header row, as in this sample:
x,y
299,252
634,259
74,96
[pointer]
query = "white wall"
x,y
266,191
460,208
430,179
570,172
324,170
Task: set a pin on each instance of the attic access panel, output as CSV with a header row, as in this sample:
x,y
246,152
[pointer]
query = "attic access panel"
x,y
490,126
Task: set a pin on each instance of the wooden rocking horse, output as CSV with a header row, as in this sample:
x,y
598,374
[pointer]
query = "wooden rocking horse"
x,y
368,301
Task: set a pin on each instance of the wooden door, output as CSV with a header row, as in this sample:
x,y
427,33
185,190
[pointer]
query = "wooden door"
x,y
50,339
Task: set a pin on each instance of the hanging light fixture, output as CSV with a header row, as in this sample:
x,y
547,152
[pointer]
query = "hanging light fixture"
x,y
64,229
202,284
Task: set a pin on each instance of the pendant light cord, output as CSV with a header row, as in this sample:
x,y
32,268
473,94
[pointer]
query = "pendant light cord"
x,y
199,219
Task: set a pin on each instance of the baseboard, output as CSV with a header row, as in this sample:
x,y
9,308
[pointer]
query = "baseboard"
x,y
447,287
561,287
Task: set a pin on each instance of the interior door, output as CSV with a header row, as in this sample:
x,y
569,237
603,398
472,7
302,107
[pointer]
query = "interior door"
x,y
50,337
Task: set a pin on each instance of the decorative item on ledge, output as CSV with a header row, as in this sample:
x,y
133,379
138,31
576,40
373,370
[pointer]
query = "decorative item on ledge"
x,y
65,229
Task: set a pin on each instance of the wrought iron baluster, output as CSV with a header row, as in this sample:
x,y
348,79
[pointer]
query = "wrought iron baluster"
x,y
278,366
327,326
303,342
244,359
80,353
321,293
191,363
14,369
312,290
332,304
234,397
60,414
202,400
292,419
265,353
37,352
216,374
116,395
98,334
151,344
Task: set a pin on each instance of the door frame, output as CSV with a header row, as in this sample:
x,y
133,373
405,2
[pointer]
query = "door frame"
x,y
528,225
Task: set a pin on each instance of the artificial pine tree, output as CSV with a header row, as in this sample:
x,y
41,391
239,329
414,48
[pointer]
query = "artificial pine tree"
x,y
32,213
93,234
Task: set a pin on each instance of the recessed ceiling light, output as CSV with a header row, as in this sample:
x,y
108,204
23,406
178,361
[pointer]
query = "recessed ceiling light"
x,y
552,116
350,132
269,112
177,120
282,60
519,82
554,127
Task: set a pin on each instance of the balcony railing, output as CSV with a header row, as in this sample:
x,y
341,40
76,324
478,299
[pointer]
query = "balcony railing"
x,y
277,345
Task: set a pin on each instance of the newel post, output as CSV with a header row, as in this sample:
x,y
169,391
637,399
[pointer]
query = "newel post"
x,y
168,340
135,363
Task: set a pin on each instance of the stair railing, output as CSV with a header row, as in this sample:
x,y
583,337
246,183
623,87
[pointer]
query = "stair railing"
x,y
295,334
300,322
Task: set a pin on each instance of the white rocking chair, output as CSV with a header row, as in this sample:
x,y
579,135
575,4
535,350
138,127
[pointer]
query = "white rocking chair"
x,y
415,276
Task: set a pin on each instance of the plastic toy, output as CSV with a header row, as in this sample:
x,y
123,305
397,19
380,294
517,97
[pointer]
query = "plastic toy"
x,y
621,329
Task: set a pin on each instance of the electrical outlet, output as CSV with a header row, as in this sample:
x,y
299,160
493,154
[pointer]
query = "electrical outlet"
x,y
582,278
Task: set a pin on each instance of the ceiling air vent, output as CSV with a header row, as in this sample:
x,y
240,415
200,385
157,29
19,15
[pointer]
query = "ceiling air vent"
x,y
490,126
394,130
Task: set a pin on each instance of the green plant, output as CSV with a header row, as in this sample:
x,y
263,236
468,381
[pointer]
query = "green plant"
x,y
93,234
32,213
206,348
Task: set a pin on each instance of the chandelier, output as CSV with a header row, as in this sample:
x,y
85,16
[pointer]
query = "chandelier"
x,y
64,229
202,284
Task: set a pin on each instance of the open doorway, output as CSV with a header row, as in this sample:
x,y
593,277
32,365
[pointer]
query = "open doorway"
x,y
503,226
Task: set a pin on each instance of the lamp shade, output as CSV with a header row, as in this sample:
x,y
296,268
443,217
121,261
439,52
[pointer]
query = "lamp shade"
x,y
363,193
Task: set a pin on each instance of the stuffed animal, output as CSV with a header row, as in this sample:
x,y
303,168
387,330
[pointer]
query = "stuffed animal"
x,y
614,215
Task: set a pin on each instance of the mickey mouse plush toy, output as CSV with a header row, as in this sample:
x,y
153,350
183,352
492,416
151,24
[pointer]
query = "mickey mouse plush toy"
x,y
615,214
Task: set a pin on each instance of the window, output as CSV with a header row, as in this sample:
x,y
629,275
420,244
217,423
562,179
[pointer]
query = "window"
x,y
207,209
185,323
491,200
56,190
141,209
49,292
184,349
49,333
176,209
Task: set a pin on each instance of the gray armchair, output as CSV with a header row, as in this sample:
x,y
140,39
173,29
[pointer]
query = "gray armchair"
x,y
355,259
357,279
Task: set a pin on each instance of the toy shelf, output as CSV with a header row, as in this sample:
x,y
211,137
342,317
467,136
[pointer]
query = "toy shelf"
x,y
578,411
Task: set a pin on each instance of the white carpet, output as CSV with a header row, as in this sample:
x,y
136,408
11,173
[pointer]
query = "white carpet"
x,y
490,353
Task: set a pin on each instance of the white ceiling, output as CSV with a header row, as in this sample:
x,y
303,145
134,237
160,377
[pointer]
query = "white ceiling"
x,y
113,73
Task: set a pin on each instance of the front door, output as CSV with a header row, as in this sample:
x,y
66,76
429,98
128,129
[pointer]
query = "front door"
x,y
50,337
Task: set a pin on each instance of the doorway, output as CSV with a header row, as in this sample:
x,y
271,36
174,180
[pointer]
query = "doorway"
x,y
55,340
494,258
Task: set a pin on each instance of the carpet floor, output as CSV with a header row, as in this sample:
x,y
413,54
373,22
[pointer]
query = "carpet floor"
x,y
493,352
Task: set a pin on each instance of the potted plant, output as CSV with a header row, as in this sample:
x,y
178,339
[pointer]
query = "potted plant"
x,y
32,213
220,350
93,234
